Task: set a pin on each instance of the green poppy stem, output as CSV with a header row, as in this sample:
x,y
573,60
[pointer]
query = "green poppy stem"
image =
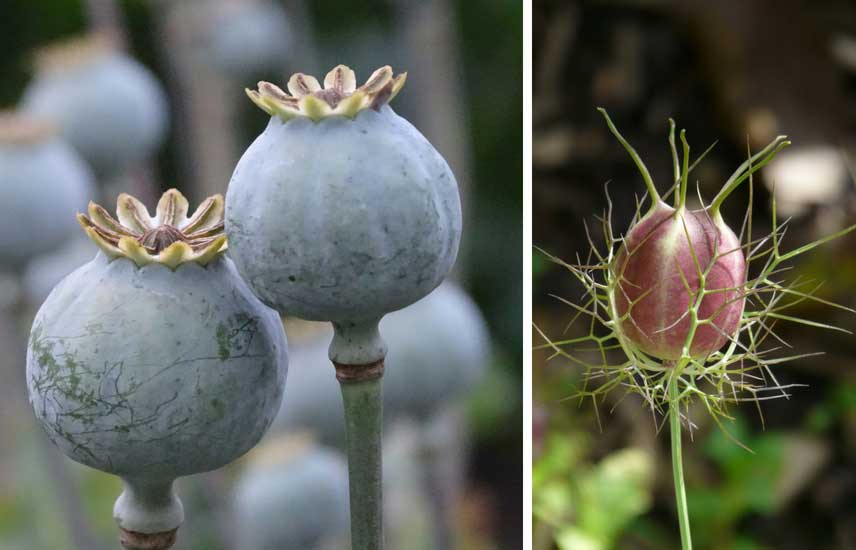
x,y
364,428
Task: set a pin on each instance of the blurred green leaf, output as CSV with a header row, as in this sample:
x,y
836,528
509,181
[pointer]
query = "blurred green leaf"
x,y
618,490
589,506
747,484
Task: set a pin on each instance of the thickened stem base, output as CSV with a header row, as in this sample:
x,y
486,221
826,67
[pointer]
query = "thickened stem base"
x,y
149,514
363,397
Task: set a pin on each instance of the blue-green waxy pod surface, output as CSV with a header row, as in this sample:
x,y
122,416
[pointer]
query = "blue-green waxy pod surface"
x,y
153,372
342,219
42,186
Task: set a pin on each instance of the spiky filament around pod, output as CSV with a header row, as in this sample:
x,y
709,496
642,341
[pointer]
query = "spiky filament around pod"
x,y
743,368
339,96
169,237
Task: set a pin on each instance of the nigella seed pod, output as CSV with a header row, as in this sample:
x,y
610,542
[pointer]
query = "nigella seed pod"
x,y
107,105
155,360
43,182
668,256
341,210
293,494
672,300
678,284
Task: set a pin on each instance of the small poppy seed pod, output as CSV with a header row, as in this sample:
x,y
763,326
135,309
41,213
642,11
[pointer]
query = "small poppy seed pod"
x,y
292,494
44,272
246,38
106,104
155,360
313,397
667,257
43,182
438,351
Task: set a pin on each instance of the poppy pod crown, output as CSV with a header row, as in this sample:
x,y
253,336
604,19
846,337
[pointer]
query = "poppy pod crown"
x,y
339,95
169,237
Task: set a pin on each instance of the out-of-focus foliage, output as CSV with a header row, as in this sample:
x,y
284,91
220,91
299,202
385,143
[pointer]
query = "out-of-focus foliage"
x,y
589,506
745,483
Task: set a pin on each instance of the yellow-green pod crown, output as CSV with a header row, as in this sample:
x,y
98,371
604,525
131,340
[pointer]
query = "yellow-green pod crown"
x,y
339,96
170,237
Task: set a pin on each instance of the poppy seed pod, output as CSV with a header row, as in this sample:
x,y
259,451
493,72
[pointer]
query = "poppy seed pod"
x,y
438,351
313,398
341,210
106,104
44,272
667,257
43,182
293,494
155,360
248,37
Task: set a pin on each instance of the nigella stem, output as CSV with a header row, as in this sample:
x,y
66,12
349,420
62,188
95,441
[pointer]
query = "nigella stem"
x,y
364,428
678,465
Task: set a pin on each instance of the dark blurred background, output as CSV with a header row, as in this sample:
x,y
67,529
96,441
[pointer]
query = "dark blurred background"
x,y
464,93
736,72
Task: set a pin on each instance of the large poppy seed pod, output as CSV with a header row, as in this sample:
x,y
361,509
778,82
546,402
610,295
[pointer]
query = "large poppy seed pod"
x,y
438,351
43,182
155,360
248,37
660,270
341,210
293,494
107,105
